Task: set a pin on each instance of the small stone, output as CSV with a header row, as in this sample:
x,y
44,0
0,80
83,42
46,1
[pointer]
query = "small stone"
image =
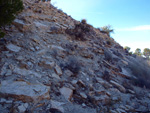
x,y
20,58
83,95
13,48
68,73
57,105
130,91
22,108
47,64
58,70
83,104
66,92
74,82
81,83
54,75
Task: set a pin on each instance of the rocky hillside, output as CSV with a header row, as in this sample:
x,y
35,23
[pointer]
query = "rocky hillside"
x,y
51,63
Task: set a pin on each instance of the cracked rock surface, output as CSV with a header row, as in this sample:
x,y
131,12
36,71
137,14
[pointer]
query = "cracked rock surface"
x,y
46,69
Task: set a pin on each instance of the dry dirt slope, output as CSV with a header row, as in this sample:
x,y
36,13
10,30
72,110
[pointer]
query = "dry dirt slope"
x,y
51,63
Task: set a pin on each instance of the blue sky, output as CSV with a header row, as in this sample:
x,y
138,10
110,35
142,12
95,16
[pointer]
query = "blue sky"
x,y
130,19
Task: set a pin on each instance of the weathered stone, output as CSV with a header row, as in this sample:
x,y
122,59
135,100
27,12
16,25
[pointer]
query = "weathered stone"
x,y
54,75
47,64
20,58
121,88
80,82
104,99
24,91
13,48
26,72
66,92
68,73
57,105
74,82
83,95
22,108
58,70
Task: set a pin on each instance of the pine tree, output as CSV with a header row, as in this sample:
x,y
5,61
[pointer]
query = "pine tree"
x,y
8,11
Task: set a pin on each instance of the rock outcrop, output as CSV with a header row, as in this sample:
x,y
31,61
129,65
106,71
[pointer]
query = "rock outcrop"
x,y
51,63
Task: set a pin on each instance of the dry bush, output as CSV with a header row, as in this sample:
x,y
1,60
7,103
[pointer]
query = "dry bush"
x,y
79,31
141,70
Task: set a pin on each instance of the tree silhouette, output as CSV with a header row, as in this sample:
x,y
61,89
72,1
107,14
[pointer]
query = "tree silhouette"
x,y
146,52
107,29
138,52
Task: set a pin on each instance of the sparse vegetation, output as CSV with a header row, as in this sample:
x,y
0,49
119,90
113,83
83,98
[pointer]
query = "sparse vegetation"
x,y
138,52
107,29
127,48
141,70
8,10
146,53
79,31
73,65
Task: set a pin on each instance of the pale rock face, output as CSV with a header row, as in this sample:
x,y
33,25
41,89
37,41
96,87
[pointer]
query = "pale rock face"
x,y
66,92
22,108
57,105
24,91
36,76
13,48
47,64
25,72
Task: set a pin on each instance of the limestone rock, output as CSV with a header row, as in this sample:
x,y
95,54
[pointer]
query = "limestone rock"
x,y
47,64
54,75
24,91
66,92
13,47
26,72
57,105
121,88
22,108
83,95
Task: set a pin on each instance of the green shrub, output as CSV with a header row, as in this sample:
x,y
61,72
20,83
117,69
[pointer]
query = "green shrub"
x,y
8,11
141,70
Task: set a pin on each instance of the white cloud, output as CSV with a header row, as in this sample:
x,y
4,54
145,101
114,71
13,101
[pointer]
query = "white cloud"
x,y
136,28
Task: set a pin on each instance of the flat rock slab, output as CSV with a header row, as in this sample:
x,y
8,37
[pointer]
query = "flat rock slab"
x,y
66,92
24,91
26,72
120,87
13,48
